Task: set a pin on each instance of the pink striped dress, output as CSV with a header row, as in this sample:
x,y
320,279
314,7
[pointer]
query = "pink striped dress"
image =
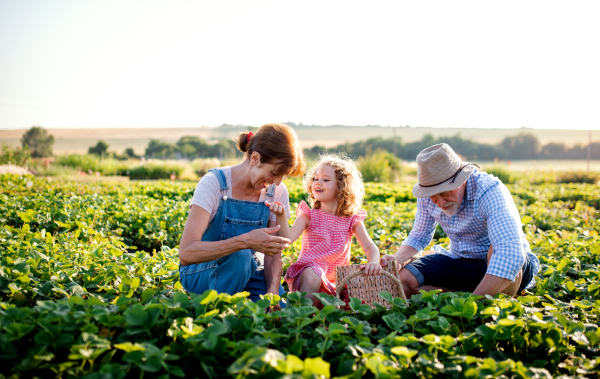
x,y
325,245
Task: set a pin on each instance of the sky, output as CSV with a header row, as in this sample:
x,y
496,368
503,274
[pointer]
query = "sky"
x,y
183,63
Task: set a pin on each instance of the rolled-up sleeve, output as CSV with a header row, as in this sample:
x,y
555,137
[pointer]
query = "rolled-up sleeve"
x,y
423,228
497,207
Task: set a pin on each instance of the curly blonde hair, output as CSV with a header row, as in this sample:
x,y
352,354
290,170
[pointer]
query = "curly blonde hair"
x,y
351,190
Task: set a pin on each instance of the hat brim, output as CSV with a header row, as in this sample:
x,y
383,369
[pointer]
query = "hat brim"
x,y
462,177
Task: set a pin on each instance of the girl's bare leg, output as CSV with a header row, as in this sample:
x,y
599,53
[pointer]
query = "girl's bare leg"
x,y
310,283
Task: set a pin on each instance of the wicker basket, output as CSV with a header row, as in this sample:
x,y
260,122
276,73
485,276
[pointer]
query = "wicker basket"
x,y
367,288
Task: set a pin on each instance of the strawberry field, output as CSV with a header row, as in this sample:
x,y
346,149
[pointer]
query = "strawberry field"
x,y
89,288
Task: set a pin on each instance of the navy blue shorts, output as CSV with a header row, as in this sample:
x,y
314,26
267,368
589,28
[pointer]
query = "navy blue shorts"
x,y
457,274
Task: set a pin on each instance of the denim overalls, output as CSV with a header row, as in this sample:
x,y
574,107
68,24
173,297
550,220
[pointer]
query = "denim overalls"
x,y
239,271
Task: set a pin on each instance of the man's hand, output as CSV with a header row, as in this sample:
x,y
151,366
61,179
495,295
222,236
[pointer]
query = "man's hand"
x,y
275,308
404,255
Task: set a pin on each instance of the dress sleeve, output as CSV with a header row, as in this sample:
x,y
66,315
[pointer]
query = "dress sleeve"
x,y
360,216
304,208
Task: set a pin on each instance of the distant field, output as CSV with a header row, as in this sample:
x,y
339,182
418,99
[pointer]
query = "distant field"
x,y
79,140
547,166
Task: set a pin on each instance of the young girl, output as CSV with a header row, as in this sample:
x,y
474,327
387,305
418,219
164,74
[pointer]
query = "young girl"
x,y
336,193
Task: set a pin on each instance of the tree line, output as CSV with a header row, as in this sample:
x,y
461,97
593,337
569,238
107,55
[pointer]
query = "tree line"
x,y
522,146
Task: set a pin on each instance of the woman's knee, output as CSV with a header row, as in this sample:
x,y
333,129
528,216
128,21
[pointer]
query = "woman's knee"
x,y
239,257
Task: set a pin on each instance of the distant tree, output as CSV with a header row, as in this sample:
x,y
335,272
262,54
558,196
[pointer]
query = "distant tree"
x,y
521,146
130,153
159,149
379,166
553,151
192,147
38,141
100,149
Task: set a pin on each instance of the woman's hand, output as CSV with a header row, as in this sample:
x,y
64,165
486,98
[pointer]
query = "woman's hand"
x,y
264,241
372,268
276,207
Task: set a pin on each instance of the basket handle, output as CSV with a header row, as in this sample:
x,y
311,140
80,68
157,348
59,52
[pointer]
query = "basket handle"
x,y
362,272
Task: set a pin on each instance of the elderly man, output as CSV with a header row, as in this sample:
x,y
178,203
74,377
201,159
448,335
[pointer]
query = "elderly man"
x,y
488,251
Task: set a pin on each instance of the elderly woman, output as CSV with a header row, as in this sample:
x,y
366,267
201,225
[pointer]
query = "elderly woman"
x,y
230,221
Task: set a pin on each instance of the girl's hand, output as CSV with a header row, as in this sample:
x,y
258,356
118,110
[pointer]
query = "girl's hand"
x,y
372,268
276,207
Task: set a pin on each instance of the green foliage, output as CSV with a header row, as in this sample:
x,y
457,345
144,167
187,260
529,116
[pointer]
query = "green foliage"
x,y
520,146
579,177
38,141
89,288
379,166
92,163
100,149
131,154
501,172
15,155
157,170
159,149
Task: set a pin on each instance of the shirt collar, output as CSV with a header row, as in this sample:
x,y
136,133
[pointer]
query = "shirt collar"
x,y
471,186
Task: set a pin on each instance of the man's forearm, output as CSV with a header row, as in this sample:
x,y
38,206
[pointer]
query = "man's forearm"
x,y
406,254
491,285
273,267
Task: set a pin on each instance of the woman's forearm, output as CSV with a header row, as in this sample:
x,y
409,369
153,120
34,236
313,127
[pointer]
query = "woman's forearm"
x,y
273,268
206,251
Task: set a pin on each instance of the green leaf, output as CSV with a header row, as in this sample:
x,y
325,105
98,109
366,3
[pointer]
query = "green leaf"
x,y
593,338
385,295
570,286
316,366
26,216
182,299
147,294
327,299
129,347
136,315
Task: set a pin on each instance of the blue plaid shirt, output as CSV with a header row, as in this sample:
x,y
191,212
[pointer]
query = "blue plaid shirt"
x,y
487,216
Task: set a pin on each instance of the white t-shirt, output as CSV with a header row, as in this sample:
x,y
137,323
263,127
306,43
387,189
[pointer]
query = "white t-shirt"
x,y
208,194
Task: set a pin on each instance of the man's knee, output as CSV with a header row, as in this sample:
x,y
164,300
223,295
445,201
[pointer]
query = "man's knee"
x,y
409,282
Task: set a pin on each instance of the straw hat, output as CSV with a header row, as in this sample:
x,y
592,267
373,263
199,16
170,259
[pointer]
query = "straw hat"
x,y
439,169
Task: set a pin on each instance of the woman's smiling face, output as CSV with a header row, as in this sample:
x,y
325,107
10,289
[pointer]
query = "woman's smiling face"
x,y
324,184
263,174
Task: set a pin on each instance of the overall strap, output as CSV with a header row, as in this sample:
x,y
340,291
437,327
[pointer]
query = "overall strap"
x,y
221,176
271,190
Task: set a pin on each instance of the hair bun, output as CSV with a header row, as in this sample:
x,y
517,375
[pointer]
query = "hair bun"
x,y
243,142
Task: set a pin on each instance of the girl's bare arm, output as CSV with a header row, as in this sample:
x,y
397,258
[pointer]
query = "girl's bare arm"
x,y
370,249
285,231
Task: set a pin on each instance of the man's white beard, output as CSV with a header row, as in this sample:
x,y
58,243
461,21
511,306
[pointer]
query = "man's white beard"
x,y
453,210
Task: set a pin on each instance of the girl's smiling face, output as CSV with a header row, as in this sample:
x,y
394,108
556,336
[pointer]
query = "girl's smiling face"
x,y
324,184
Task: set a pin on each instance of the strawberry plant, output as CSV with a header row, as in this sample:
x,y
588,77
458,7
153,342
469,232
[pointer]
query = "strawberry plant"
x,y
89,288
